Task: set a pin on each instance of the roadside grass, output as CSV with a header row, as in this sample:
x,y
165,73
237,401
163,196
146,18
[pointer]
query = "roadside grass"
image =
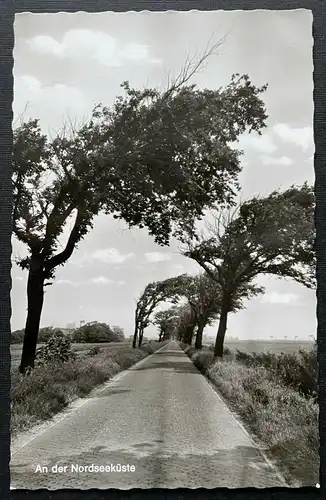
x,y
49,389
275,405
79,348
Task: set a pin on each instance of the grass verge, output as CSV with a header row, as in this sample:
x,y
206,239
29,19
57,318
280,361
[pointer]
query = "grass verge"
x,y
48,390
283,420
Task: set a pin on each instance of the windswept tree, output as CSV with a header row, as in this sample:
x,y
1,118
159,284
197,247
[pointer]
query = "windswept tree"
x,y
272,235
186,324
153,159
204,297
154,294
167,322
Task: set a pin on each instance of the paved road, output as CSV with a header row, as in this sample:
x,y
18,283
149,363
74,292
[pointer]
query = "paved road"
x,y
163,418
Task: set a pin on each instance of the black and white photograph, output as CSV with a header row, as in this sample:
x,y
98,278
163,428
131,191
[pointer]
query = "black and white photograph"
x,y
163,326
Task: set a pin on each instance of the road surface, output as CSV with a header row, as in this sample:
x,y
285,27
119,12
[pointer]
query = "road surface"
x,y
162,420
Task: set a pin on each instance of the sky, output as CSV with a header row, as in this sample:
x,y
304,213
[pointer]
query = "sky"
x,y
64,64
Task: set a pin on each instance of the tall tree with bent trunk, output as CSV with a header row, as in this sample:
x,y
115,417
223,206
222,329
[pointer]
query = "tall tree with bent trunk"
x,y
272,235
154,159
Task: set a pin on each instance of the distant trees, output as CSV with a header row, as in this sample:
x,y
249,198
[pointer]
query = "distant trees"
x,y
204,298
45,333
272,235
187,323
17,336
154,294
96,332
92,332
118,333
167,322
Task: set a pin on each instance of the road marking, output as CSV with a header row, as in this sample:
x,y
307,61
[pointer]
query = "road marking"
x,y
74,405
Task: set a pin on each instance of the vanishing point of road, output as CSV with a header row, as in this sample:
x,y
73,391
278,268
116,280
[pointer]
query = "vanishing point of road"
x,y
162,417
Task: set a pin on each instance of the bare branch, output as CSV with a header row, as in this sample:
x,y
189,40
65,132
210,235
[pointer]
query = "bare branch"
x,y
192,66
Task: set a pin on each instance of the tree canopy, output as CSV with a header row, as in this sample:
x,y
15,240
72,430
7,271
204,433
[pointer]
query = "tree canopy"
x,y
266,235
204,298
154,294
154,159
96,332
167,321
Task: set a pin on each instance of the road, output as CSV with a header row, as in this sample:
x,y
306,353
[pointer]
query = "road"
x,y
163,418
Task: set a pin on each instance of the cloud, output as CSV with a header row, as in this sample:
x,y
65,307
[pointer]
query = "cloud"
x,y
110,256
56,101
138,52
92,44
262,143
301,137
157,256
66,282
279,298
283,160
105,255
101,280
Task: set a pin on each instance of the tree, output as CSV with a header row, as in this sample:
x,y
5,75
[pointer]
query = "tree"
x,y
154,294
167,321
187,324
154,159
46,333
17,337
204,297
272,235
94,332
118,333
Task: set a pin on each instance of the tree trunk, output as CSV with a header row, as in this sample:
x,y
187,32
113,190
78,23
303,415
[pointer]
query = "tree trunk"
x,y
189,332
35,297
134,341
141,334
219,343
166,335
199,335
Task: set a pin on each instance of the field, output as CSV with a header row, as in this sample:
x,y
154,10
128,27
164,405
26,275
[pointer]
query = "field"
x,y
273,346
16,349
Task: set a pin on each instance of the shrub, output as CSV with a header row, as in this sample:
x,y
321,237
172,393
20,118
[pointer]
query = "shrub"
x,y
283,419
226,350
125,359
94,351
202,360
297,370
56,350
46,333
17,337
152,345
